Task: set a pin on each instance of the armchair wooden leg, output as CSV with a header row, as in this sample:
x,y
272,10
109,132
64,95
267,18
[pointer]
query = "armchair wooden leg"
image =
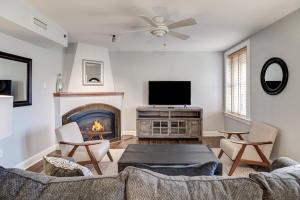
x,y
96,166
93,160
240,137
237,160
263,157
109,156
221,153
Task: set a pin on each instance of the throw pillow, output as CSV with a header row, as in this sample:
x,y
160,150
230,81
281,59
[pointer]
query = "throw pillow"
x,y
206,169
281,183
60,167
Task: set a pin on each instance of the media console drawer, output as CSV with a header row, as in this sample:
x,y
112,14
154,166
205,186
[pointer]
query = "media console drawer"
x,y
163,122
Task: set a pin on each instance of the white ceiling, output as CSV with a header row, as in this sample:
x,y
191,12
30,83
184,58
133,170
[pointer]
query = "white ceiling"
x,y
221,23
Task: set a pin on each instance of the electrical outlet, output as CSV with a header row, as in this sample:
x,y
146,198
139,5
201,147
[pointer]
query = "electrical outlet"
x,y
1,153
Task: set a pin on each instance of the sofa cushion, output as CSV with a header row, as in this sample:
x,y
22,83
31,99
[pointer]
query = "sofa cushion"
x,y
280,184
20,184
64,168
147,185
282,162
207,169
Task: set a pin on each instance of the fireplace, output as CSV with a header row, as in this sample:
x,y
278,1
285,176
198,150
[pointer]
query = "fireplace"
x,y
96,118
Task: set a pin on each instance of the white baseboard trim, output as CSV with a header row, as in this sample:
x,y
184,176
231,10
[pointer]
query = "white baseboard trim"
x,y
36,158
129,133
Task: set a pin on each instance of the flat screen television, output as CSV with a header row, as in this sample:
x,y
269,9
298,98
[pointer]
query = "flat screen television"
x,y
169,93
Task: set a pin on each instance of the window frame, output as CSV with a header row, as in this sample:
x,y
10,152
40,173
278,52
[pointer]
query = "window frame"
x,y
246,119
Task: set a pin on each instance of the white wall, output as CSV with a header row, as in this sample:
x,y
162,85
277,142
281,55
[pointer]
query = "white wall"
x,y
133,70
16,18
281,39
33,126
73,75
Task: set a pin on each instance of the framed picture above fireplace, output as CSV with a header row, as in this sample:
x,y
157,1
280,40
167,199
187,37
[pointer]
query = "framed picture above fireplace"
x,y
93,72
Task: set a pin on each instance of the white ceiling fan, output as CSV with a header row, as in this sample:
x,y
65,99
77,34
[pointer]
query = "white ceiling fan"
x,y
160,28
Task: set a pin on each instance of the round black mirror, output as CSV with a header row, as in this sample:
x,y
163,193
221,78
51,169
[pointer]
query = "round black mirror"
x,y
274,76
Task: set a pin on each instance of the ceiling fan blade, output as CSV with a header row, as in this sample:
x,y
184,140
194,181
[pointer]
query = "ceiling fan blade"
x,y
182,23
178,35
148,20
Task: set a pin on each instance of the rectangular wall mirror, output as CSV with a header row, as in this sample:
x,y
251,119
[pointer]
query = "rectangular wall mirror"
x,y
15,78
92,72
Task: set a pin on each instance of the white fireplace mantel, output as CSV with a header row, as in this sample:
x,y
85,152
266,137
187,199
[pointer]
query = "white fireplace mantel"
x,y
64,102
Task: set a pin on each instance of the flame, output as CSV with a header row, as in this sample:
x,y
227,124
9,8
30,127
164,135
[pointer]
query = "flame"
x,y
97,126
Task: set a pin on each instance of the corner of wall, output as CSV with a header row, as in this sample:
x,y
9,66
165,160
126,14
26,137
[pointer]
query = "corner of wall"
x,y
68,64
73,68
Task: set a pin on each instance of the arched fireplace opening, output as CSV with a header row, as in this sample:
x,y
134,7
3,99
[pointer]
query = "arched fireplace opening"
x,y
93,119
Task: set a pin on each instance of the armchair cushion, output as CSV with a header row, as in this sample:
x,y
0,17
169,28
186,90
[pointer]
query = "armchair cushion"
x,y
70,133
99,151
232,149
259,133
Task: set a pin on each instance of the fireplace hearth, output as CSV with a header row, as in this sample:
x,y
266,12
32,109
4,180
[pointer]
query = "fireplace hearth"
x,y
92,116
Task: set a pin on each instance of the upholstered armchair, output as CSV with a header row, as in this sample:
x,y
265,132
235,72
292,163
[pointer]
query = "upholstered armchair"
x,y
71,144
255,150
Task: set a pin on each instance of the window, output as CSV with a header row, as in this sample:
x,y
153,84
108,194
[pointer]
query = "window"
x,y
236,83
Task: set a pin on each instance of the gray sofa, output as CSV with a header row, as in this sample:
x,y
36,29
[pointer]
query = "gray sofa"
x,y
137,184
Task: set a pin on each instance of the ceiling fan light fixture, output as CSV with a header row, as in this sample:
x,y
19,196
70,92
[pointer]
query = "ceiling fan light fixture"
x,y
159,27
159,32
158,20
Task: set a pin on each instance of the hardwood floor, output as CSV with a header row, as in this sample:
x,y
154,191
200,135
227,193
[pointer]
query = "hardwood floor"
x,y
38,167
212,142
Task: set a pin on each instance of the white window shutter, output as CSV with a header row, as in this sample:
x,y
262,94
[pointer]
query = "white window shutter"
x,y
236,83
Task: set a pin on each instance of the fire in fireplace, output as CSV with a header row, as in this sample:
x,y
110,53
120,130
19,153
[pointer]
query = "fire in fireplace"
x,y
97,126
96,121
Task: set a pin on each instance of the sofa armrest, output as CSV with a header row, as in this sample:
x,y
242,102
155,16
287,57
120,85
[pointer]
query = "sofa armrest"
x,y
282,162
